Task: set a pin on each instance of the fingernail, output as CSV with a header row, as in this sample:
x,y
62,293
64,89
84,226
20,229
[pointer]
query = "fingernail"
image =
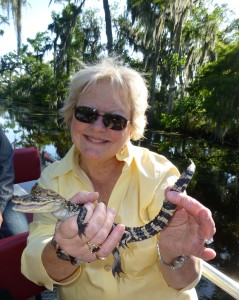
x,y
112,210
170,194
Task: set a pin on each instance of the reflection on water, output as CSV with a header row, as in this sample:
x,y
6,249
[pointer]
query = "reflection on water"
x,y
33,125
215,183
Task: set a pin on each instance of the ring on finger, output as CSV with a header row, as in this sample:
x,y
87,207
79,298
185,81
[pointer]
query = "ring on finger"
x,y
209,241
100,257
93,248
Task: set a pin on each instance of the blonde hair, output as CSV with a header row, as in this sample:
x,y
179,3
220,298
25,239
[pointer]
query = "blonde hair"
x,y
124,81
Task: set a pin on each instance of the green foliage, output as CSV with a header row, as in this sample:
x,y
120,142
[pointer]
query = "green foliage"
x,y
2,21
217,85
192,115
34,84
27,77
168,122
175,61
170,43
188,116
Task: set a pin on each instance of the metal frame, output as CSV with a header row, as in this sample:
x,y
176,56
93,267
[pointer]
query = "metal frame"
x,y
221,280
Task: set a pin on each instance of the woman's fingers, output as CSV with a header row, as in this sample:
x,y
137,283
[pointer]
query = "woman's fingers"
x,y
190,204
208,254
68,228
192,222
100,222
112,241
98,236
84,197
206,224
105,228
201,214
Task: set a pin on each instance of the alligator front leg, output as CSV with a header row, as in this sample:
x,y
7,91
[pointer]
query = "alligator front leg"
x,y
80,221
116,268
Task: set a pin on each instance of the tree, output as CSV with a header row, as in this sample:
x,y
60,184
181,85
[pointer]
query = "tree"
x,y
77,37
63,27
108,22
174,38
158,32
26,79
200,36
217,86
108,26
2,20
16,8
40,44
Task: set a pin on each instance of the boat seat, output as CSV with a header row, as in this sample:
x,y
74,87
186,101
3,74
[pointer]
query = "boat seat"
x,y
27,168
27,165
11,278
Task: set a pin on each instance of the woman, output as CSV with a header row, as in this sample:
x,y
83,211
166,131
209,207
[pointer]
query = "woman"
x,y
117,182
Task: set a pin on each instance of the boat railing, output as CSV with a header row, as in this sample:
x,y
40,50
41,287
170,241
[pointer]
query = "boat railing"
x,y
221,280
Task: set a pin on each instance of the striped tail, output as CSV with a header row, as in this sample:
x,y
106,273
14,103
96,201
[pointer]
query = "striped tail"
x,y
136,234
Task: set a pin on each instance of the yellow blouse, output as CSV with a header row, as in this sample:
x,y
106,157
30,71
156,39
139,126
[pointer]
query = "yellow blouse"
x,y
138,196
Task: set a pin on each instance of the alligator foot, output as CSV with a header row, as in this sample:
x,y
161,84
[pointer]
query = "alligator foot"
x,y
80,221
126,238
116,268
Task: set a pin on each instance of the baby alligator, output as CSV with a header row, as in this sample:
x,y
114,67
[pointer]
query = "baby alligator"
x,y
45,200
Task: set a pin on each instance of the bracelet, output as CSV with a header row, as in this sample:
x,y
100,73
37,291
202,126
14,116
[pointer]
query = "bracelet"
x,y
62,255
176,263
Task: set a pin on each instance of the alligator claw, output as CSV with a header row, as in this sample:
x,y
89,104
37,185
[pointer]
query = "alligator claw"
x,y
116,268
81,228
80,221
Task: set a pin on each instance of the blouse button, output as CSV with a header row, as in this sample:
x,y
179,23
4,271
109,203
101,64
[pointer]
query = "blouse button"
x,y
107,268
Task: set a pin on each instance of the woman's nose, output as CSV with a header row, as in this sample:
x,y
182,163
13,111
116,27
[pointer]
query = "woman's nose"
x,y
98,124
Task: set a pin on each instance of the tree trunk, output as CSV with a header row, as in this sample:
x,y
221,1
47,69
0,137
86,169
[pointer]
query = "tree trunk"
x,y
19,26
176,35
153,83
108,26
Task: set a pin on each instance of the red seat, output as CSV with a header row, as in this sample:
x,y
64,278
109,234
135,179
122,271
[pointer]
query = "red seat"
x,y
26,164
27,168
11,278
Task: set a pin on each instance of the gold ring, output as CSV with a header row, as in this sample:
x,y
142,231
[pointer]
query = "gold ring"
x,y
100,257
93,248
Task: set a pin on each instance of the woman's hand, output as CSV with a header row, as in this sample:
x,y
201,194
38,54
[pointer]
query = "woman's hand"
x,y
188,230
97,234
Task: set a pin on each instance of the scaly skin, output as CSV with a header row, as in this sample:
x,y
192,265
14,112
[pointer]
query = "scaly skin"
x,y
44,200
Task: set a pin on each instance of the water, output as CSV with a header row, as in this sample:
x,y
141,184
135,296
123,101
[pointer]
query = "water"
x,y
215,183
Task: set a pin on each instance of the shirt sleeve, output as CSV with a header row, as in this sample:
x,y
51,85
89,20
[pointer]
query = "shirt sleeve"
x,y
6,170
188,287
41,232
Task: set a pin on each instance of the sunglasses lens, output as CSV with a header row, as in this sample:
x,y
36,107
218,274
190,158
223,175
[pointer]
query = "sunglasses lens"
x,y
114,122
90,115
85,114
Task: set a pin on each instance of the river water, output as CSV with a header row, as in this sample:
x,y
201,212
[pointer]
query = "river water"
x,y
215,184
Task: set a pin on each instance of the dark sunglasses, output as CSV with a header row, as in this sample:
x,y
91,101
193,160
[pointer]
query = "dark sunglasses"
x,y
90,115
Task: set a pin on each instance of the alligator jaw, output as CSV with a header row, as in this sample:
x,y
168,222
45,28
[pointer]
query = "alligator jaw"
x,y
34,208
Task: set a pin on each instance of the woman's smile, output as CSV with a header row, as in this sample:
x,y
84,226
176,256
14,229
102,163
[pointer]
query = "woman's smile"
x,y
95,140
